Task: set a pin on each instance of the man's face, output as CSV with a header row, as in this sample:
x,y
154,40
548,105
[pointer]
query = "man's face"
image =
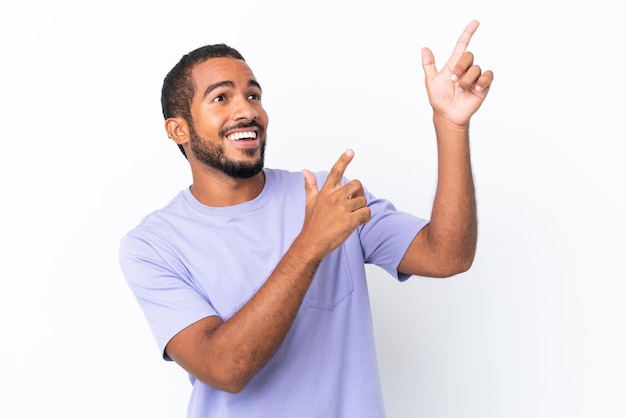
x,y
228,132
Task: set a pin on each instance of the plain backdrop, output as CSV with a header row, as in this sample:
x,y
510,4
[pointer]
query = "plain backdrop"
x,y
537,327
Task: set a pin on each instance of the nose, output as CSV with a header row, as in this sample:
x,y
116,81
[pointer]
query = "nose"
x,y
244,110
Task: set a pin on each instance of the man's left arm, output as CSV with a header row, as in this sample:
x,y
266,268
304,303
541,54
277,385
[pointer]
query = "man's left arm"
x,y
446,246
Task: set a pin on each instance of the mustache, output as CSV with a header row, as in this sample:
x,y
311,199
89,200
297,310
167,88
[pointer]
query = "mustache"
x,y
242,125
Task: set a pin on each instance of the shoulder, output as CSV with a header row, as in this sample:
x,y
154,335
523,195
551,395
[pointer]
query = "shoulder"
x,y
159,218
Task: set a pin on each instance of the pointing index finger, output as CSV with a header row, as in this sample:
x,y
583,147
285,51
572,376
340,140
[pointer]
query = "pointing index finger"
x,y
339,168
461,44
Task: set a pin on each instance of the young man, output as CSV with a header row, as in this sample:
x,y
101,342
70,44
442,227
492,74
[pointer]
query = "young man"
x,y
253,279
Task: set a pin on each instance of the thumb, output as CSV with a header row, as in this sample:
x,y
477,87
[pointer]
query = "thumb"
x,y
428,63
310,184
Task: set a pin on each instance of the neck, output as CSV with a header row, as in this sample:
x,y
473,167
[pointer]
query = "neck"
x,y
219,189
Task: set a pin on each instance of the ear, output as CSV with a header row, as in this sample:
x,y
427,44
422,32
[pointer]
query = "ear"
x,y
177,130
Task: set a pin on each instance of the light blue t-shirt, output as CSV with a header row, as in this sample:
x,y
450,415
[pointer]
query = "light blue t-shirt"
x,y
188,261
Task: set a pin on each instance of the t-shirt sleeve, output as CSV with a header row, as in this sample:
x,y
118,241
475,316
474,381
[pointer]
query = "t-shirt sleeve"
x,y
169,302
387,236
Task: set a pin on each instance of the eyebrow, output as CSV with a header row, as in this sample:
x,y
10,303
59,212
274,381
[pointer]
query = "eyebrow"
x,y
226,83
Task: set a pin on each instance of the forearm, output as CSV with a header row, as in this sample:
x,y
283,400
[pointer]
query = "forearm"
x,y
233,352
453,226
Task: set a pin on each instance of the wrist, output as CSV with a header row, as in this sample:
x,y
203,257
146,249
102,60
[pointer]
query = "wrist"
x,y
308,254
445,128
442,121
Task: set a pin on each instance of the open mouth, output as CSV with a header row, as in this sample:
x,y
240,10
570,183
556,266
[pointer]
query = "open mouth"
x,y
242,136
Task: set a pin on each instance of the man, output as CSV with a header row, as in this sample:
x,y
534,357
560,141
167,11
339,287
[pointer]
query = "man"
x,y
253,279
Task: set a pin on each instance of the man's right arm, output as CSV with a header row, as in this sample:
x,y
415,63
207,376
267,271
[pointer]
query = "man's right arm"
x,y
227,354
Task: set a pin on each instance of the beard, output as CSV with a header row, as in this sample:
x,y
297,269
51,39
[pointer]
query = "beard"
x,y
213,155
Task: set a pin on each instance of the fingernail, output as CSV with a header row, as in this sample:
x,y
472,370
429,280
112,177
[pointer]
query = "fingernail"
x,y
478,88
453,77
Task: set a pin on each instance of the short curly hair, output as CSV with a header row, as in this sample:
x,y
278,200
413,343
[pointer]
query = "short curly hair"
x,y
178,87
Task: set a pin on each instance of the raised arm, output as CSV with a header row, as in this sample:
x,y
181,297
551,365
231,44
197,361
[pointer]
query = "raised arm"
x,y
447,245
226,355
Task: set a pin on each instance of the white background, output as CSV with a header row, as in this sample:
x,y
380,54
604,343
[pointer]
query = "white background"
x,y
537,328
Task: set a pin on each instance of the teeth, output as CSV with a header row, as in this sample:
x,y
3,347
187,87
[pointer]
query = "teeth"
x,y
241,135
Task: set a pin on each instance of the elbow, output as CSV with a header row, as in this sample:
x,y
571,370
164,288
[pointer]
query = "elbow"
x,y
438,262
232,387
227,381
210,358
445,255
457,265
451,264
464,265
229,375
226,385
458,258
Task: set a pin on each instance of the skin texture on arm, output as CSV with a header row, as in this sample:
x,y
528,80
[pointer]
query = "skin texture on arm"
x,y
226,355
447,245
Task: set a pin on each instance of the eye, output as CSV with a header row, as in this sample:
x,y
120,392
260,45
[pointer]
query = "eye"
x,y
254,96
219,98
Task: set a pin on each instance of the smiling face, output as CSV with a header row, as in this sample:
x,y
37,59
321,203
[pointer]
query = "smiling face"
x,y
228,127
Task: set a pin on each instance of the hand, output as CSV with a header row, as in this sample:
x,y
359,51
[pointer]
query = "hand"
x,y
457,91
334,211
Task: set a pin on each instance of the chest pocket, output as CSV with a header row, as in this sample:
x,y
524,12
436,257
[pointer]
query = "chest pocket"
x,y
332,283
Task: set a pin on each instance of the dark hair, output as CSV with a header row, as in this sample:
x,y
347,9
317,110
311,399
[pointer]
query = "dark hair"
x,y
178,87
